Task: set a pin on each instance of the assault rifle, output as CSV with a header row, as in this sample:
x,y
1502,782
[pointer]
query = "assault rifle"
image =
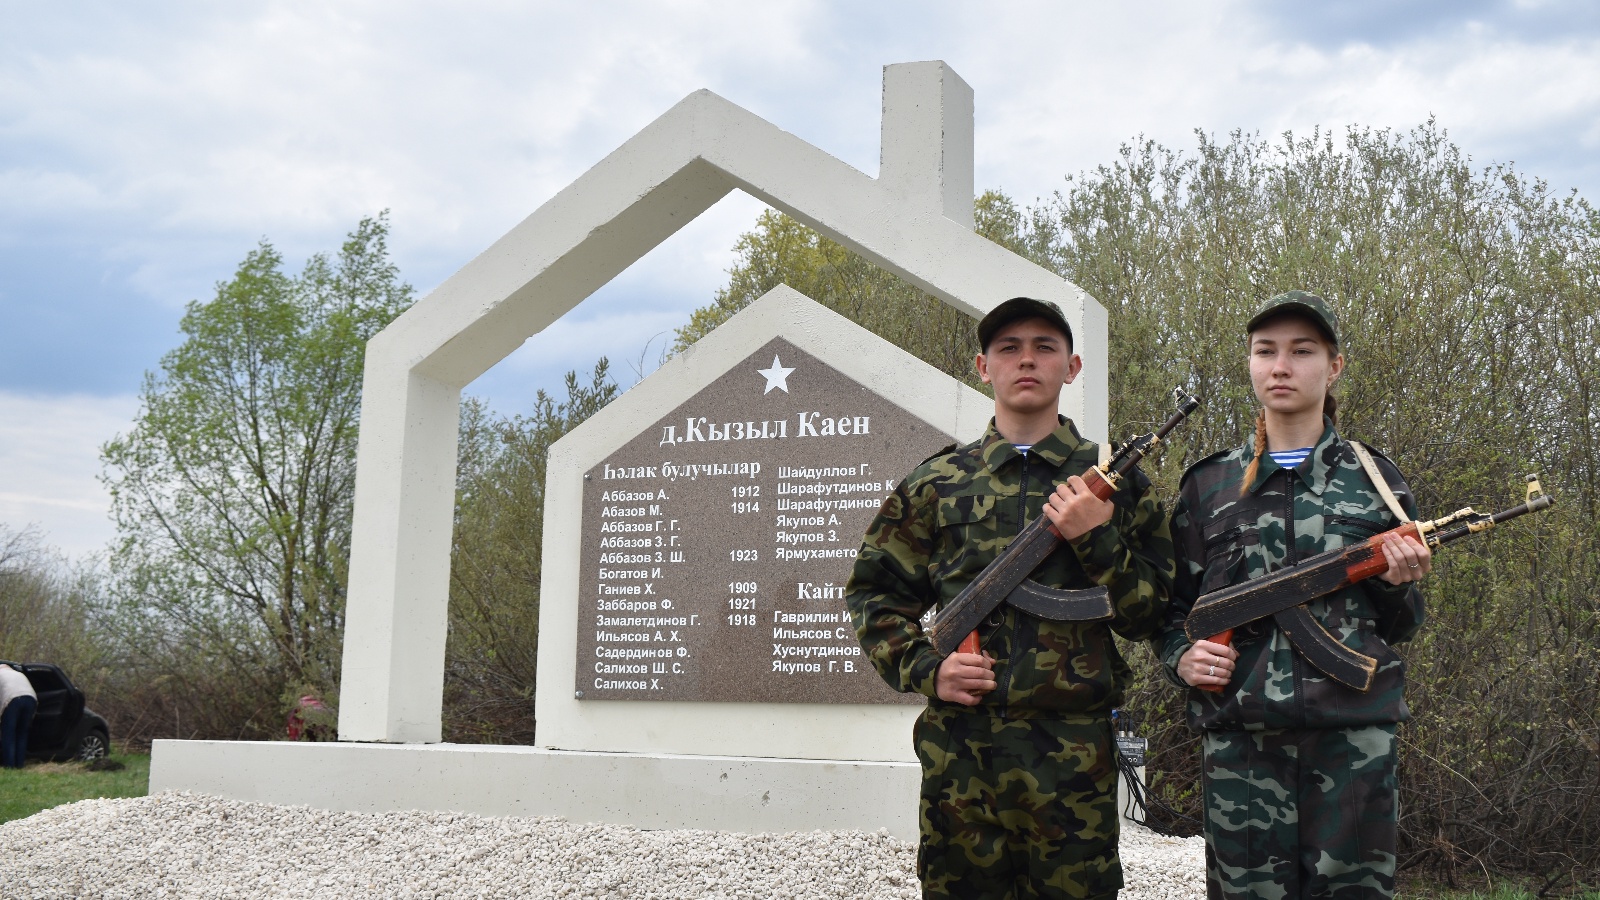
x,y
1282,594
1005,580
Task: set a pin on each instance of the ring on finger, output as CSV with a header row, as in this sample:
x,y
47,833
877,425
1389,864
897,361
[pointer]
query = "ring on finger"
x,y
1213,671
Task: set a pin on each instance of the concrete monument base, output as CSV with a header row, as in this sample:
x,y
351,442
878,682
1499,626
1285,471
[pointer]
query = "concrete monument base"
x,y
652,791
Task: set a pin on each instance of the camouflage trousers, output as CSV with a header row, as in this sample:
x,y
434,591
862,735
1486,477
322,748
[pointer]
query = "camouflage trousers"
x,y
1016,807
1300,813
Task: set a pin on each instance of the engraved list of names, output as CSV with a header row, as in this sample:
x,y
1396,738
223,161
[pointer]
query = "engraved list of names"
x,y
717,543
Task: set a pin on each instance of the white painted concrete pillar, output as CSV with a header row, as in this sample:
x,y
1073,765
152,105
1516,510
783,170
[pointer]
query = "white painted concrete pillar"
x,y
397,606
925,156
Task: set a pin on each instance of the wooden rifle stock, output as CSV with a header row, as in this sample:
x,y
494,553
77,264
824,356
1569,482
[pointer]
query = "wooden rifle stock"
x,y
1338,569
1039,538
1099,487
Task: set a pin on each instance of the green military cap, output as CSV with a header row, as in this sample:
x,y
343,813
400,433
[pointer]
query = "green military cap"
x,y
1016,309
1315,308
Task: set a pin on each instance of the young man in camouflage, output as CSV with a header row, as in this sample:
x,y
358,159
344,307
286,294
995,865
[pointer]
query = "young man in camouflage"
x,y
1299,769
1019,781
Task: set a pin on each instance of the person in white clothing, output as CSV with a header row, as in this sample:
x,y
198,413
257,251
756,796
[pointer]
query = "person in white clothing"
x,y
17,704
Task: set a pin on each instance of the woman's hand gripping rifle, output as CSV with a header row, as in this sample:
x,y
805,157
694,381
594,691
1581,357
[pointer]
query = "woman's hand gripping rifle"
x,y
1005,580
1281,594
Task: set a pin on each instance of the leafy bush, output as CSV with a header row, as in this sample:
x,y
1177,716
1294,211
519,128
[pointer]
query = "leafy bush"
x,y
233,492
491,656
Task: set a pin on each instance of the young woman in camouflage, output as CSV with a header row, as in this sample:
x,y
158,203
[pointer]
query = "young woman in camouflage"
x,y
1299,770
1019,784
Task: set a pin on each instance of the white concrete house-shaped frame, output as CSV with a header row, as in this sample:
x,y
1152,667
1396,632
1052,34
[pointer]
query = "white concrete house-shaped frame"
x,y
914,219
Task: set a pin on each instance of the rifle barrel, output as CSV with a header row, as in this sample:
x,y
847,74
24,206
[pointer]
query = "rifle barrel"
x,y
1135,450
1542,501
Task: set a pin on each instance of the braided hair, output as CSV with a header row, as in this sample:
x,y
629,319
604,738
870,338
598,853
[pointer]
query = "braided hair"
x,y
1330,408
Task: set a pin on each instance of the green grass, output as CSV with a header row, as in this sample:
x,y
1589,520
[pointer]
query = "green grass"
x,y
1416,891
24,792
1503,894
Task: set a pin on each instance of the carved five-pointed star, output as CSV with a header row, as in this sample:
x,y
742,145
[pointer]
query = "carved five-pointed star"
x,y
777,376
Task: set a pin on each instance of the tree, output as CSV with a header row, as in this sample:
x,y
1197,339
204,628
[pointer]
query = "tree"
x,y
232,492
491,656
47,606
1470,300
782,251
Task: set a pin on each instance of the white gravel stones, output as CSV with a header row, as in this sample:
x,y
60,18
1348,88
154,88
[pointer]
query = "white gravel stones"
x,y
177,844
1162,868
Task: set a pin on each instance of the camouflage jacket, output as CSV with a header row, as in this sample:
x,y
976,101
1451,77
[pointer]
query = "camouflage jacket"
x,y
1223,538
951,516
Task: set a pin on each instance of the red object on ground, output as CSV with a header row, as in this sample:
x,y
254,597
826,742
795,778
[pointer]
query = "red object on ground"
x,y
297,724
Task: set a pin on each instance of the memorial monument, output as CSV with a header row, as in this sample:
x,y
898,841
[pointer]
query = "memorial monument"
x,y
694,669
751,464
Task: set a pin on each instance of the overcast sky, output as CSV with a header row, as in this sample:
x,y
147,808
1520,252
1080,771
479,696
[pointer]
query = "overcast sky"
x,y
145,148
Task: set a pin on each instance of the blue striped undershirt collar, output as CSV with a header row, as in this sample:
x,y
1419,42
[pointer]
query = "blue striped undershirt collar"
x,y
1289,458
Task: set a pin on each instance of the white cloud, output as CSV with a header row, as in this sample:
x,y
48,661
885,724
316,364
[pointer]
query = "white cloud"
x,y
157,143
292,121
49,460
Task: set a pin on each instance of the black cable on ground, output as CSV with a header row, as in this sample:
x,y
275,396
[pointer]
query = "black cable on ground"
x,y
1154,813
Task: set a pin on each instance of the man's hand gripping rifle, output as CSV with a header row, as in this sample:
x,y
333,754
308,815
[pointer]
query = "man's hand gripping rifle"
x,y
1282,594
1006,579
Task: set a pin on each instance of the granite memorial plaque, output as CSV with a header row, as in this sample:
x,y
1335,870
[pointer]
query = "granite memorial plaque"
x,y
717,542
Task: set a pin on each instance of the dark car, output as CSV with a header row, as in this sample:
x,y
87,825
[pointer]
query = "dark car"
x,y
63,728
